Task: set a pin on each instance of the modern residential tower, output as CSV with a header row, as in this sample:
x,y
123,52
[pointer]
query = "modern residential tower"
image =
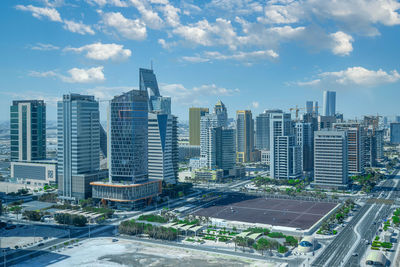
x,y
28,130
195,115
244,136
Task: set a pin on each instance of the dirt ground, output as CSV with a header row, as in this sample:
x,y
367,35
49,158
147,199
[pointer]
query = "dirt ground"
x,y
104,252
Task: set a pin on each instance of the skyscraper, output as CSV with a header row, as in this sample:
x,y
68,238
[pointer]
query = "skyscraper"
x,y
162,147
128,152
28,130
209,137
78,145
195,115
355,146
329,103
330,159
244,136
395,133
128,114
262,129
148,83
305,139
285,154
221,112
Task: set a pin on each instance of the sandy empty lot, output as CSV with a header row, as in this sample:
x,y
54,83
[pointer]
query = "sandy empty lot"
x,y
104,252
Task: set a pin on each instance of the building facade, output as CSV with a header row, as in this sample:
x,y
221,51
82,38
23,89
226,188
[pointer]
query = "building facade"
x,y
162,147
244,136
28,130
355,146
285,154
35,173
262,129
78,146
395,133
330,159
128,132
305,139
329,103
195,115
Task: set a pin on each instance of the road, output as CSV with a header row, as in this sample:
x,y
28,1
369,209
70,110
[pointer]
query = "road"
x,y
340,247
368,229
34,251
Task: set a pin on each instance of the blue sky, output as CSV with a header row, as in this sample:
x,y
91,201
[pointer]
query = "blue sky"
x,y
251,54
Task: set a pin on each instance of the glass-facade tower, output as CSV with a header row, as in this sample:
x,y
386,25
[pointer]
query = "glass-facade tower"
x,y
128,137
28,130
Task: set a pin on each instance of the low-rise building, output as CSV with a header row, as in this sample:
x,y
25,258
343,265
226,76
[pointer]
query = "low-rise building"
x,y
208,175
34,173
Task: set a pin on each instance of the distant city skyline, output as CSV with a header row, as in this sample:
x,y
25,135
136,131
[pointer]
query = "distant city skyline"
x,y
249,54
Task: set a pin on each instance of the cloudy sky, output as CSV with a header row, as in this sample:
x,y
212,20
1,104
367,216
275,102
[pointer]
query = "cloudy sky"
x,y
250,54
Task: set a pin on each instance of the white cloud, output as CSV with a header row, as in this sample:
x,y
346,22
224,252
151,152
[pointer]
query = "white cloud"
x,y
353,76
106,93
44,74
362,76
171,15
208,34
41,12
76,75
255,104
99,51
131,29
282,14
342,43
117,3
195,95
77,27
196,59
241,7
239,56
149,16
43,47
166,45
90,75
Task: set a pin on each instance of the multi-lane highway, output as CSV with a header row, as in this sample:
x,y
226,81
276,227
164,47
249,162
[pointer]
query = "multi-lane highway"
x,y
340,248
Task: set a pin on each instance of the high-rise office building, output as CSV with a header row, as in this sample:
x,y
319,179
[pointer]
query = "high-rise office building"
x,y
221,112
78,146
329,103
148,83
285,154
221,149
262,129
395,133
244,136
128,137
330,159
163,147
28,130
195,115
355,146
128,151
325,122
210,142
305,139
309,106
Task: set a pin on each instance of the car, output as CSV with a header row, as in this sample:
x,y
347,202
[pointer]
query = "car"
x,y
40,244
115,240
355,254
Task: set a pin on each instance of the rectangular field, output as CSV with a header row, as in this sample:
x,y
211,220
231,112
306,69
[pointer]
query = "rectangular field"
x,y
276,212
